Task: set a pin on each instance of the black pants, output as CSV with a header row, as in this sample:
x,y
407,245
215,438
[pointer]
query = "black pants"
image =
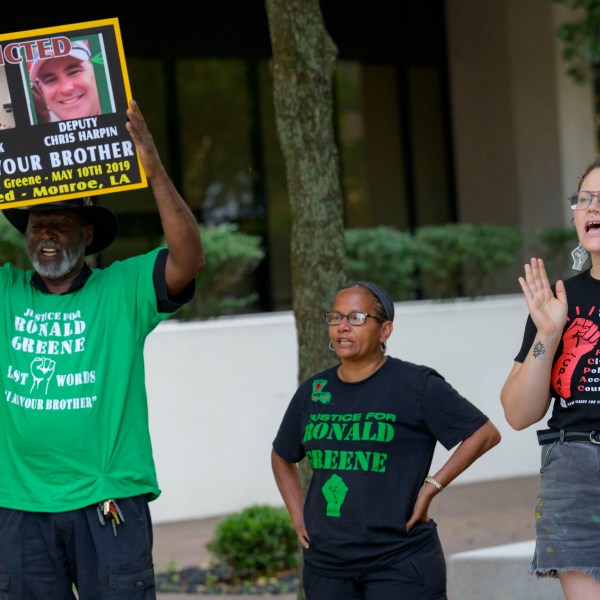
x,y
45,556
420,576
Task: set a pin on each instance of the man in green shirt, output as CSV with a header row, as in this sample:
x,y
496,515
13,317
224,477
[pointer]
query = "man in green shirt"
x,y
77,470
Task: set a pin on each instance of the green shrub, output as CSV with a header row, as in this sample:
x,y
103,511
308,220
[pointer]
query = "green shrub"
x,y
493,249
385,255
12,245
441,258
259,540
230,255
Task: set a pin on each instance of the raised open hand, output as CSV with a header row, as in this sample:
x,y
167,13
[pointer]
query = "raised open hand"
x,y
144,142
548,311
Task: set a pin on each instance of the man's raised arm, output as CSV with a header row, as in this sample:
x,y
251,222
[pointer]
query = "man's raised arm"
x,y
186,257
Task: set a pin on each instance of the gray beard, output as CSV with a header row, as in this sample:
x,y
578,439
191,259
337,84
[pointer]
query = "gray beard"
x,y
71,257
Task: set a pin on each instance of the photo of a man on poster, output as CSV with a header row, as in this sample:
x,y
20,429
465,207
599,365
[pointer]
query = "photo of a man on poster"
x,y
70,86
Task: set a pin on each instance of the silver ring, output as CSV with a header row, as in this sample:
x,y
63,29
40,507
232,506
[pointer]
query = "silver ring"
x,y
592,433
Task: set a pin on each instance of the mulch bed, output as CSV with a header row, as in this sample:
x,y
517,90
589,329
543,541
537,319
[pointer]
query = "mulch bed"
x,y
219,580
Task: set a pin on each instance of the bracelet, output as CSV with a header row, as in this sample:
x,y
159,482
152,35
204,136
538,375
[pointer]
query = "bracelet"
x,y
434,483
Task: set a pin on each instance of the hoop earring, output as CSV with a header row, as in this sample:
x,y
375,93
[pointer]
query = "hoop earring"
x,y
383,347
331,346
579,257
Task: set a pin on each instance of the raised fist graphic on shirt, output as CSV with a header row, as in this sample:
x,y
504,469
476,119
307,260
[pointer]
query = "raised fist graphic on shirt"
x,y
581,336
42,369
334,490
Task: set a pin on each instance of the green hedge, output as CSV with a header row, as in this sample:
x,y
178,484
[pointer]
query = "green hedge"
x,y
385,255
231,256
455,259
461,259
435,262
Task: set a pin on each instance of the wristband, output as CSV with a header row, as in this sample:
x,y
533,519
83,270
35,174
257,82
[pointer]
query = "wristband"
x,y
434,483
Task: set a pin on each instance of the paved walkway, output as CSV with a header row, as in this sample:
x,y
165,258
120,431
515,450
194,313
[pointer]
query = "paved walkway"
x,y
469,516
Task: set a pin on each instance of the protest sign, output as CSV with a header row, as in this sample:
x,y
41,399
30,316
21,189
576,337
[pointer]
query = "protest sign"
x,y
63,95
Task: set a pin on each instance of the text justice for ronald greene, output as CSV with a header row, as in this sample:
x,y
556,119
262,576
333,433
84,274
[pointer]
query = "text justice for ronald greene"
x,y
59,333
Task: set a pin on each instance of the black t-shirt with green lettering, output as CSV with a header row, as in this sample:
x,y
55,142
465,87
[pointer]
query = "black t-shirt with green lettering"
x,y
370,445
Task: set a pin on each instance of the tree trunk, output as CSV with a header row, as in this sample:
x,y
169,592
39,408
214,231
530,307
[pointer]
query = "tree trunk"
x,y
303,66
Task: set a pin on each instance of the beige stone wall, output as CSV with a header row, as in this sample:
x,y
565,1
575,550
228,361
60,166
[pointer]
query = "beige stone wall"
x,y
522,129
577,124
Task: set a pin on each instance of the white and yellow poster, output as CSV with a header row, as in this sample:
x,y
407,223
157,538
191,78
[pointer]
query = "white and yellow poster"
x,y
63,95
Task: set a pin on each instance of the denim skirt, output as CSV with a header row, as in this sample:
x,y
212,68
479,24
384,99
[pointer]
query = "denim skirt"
x,y
568,510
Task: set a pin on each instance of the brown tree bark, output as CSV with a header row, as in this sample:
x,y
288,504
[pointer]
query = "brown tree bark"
x,y
303,65
304,59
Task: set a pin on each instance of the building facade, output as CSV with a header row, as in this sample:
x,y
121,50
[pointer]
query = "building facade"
x,y
454,111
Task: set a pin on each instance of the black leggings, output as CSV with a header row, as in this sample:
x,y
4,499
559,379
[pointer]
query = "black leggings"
x,y
420,576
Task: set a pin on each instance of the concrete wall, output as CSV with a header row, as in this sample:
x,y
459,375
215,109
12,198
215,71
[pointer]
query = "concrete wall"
x,y
218,390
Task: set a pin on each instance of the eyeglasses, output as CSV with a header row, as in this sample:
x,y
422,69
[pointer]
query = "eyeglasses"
x,y
582,199
354,318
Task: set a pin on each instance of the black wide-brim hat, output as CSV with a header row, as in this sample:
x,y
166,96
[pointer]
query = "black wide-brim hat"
x,y
102,219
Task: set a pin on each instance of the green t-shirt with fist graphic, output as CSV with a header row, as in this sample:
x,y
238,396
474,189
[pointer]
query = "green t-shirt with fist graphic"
x,y
73,416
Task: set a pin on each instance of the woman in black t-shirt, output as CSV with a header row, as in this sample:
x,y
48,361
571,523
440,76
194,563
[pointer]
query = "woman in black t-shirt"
x,y
559,365
368,428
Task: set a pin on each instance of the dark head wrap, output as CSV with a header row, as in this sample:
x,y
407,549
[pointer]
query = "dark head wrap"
x,y
380,294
